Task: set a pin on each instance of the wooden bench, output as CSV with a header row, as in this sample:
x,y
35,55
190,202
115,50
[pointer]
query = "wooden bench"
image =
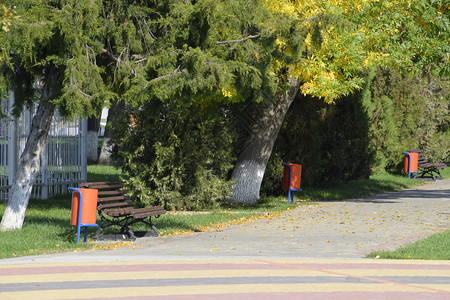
x,y
115,209
427,168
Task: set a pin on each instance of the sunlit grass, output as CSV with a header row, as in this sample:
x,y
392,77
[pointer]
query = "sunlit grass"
x,y
434,247
360,188
103,173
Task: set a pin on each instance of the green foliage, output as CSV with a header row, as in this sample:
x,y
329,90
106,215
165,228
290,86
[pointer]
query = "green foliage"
x,y
177,157
363,133
65,36
182,50
171,60
407,112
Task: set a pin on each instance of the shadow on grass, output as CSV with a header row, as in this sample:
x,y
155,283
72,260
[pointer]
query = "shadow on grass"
x,y
62,230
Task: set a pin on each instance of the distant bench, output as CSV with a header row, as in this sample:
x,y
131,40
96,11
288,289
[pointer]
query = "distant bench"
x,y
427,168
114,209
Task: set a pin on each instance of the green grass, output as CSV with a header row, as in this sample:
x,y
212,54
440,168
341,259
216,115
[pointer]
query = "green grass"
x,y
47,226
377,183
46,230
434,247
103,173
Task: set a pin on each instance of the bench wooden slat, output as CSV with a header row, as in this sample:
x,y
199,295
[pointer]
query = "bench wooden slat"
x,y
111,199
118,212
102,193
103,183
106,186
114,210
115,204
148,212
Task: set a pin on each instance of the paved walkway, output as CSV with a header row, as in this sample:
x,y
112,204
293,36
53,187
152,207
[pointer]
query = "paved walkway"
x,y
308,253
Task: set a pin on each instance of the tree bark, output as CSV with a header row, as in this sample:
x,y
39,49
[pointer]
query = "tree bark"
x,y
107,145
29,162
249,170
28,167
92,139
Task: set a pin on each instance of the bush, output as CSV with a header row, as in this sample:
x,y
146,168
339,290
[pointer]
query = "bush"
x,y
177,157
407,112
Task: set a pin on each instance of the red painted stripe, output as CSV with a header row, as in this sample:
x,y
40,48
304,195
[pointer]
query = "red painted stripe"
x,y
136,268
301,295
212,266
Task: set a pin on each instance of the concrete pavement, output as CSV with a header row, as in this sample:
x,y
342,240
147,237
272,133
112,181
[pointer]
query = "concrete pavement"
x,y
308,252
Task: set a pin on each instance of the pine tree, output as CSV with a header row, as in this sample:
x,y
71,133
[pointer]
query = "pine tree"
x,y
57,42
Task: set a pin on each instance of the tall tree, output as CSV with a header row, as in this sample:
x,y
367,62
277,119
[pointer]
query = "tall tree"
x,y
57,42
264,52
188,54
339,40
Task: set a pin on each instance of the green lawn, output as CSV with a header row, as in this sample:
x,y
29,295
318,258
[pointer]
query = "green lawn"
x,y
436,247
47,230
47,226
377,183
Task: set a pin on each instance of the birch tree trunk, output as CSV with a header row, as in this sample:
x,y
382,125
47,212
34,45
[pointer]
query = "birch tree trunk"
x,y
249,170
28,167
107,145
105,152
29,162
92,139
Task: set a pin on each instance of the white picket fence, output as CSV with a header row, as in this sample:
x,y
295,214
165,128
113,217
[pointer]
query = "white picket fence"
x,y
63,163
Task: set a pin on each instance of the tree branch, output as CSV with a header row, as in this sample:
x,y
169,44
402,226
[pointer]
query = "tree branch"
x,y
239,41
178,70
84,94
117,59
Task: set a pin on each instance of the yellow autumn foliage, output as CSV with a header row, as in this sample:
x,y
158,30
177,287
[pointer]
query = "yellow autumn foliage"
x,y
329,68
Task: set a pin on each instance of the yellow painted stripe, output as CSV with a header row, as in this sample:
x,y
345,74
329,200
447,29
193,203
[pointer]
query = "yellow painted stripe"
x,y
209,289
92,276
360,261
441,287
392,272
323,262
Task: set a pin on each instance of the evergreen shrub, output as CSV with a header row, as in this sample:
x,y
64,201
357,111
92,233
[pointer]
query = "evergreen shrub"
x,y
177,157
407,112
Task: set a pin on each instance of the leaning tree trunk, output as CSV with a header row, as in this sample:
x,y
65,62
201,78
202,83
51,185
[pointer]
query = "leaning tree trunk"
x,y
27,169
29,162
249,170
